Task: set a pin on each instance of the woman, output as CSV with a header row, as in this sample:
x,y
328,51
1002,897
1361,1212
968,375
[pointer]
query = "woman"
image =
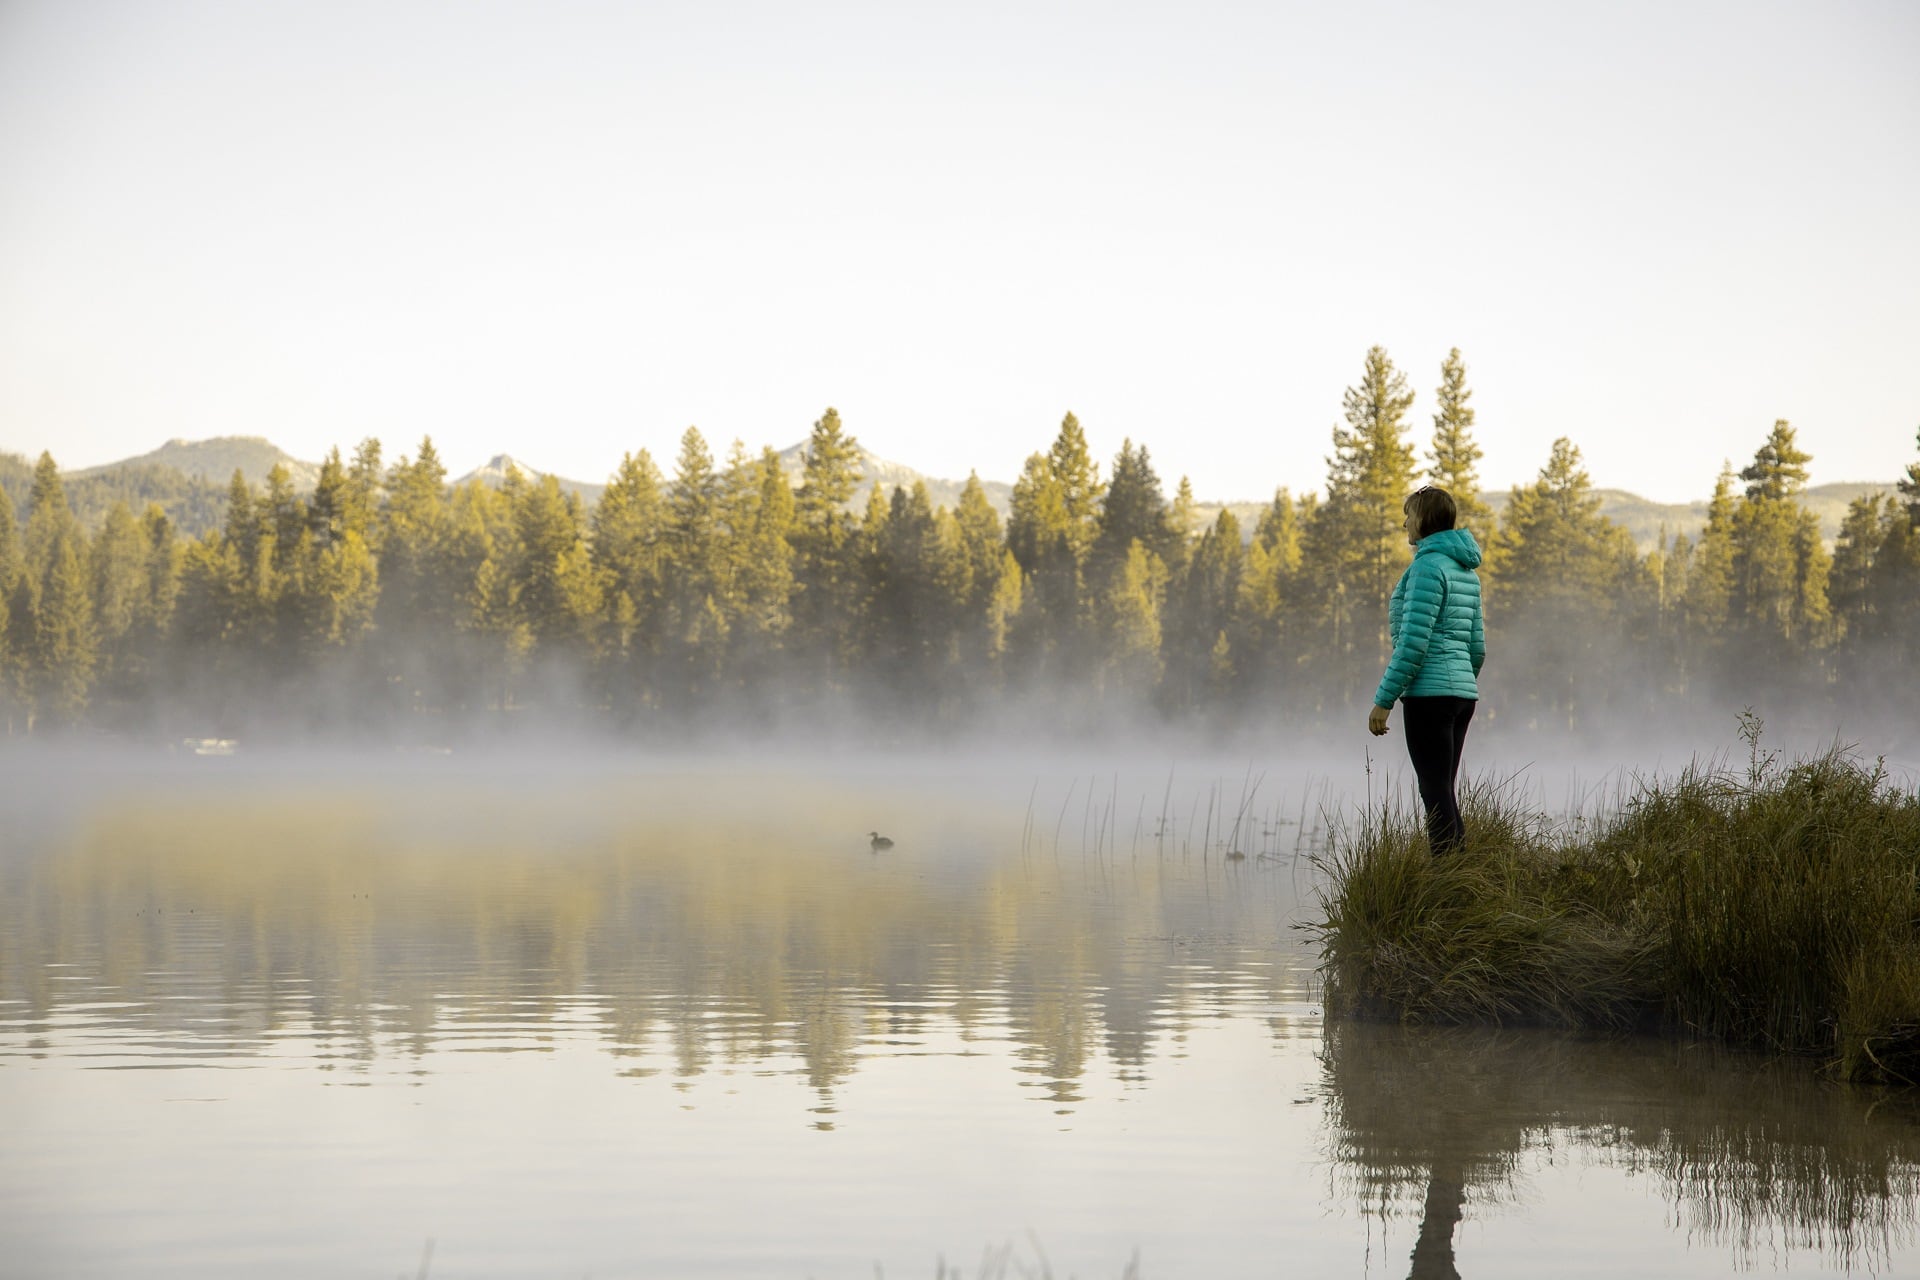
x,y
1439,643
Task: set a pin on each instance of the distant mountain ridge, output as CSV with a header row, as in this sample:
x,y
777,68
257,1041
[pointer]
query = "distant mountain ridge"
x,y
1647,520
493,474
216,460
189,478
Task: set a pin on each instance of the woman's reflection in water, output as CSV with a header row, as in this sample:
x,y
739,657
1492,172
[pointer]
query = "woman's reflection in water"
x,y
1751,1153
1412,1108
1446,1199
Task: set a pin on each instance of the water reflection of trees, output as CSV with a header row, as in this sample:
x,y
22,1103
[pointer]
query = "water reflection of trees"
x,y
225,928
1752,1154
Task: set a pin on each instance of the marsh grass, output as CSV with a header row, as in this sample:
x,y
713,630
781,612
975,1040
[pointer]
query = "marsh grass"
x,y
1776,907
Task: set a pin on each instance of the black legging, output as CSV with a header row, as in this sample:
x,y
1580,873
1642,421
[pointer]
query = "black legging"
x,y
1436,731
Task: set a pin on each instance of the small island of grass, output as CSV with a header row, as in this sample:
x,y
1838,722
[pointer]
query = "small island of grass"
x,y
1776,907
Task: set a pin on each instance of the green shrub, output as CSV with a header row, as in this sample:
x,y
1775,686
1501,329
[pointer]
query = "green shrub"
x,y
1779,909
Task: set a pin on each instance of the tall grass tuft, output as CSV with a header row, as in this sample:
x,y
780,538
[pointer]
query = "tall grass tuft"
x,y
1777,908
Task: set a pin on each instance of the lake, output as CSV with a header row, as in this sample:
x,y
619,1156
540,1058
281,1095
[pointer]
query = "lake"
x,y
625,1016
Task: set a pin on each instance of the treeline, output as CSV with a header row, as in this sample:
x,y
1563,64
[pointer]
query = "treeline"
x,y
193,504
387,597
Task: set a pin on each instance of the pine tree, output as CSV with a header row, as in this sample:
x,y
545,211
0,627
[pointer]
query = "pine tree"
x,y
1851,579
630,542
482,548
343,583
121,585
555,591
696,562
629,530
1454,455
360,508
204,608
694,526
241,529
986,566
1895,589
49,518
419,612
871,588
1554,541
9,545
758,512
163,564
1656,598
1267,588
1372,472
1036,510
1895,580
910,618
1051,531
1355,545
12,651
1779,566
1183,518
1134,510
10,575
1710,572
825,577
1676,568
1779,468
22,606
417,605
1908,487
338,576
1561,587
287,550
1081,491
978,527
63,652
1002,615
50,613
1129,621
950,589
243,591
1200,614
1128,590
284,515
1811,617
327,514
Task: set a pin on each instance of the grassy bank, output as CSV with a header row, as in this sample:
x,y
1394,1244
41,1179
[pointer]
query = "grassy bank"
x,y
1775,906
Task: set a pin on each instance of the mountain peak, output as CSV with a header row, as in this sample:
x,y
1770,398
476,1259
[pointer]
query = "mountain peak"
x,y
218,458
495,470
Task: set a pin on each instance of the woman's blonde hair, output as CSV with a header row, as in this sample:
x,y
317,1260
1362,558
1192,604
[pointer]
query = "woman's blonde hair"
x,y
1432,510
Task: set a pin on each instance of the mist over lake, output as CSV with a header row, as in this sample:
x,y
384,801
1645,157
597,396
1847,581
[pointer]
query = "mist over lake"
x,y
621,1014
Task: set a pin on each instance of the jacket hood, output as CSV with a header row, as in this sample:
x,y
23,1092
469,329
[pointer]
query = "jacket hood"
x,y
1457,543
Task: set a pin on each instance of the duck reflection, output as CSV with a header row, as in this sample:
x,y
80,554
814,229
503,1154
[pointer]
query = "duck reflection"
x,y
1752,1153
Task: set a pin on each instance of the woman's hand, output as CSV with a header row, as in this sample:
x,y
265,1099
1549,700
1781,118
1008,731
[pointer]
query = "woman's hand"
x,y
1377,721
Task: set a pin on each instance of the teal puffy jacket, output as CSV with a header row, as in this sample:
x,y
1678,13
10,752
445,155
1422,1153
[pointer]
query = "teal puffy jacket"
x,y
1439,639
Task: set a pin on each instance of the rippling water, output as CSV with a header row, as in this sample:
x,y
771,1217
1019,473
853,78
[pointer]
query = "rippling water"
x,y
647,1020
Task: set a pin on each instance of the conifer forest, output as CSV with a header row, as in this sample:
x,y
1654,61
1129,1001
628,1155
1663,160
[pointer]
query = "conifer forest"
x,y
717,591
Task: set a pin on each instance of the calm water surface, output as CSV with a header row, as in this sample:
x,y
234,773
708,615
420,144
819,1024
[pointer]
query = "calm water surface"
x,y
681,1020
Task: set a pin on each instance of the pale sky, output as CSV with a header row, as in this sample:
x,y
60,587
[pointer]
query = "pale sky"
x,y
568,230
